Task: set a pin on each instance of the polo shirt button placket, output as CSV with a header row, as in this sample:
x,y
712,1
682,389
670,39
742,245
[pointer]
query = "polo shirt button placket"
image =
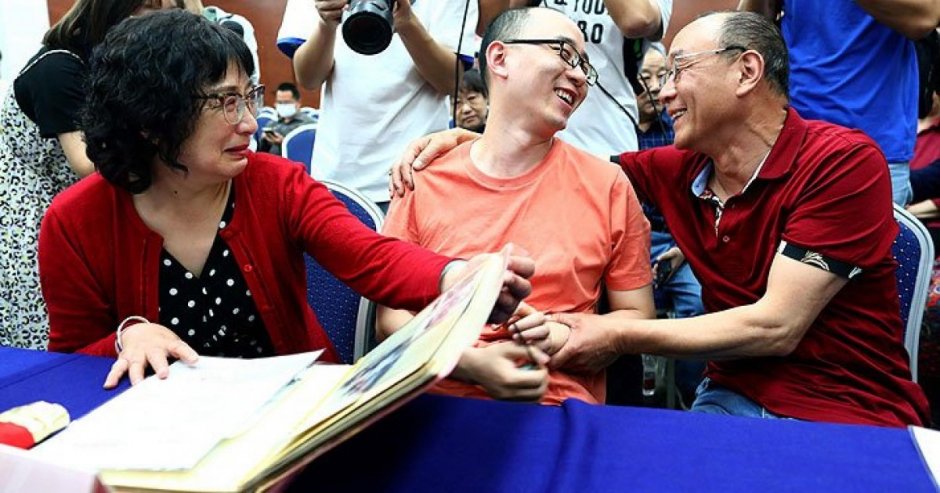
x,y
725,239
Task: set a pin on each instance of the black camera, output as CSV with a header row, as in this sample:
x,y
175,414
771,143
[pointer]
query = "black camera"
x,y
368,27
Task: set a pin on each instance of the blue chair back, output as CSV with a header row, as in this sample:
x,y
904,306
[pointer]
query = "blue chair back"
x,y
913,250
298,144
347,318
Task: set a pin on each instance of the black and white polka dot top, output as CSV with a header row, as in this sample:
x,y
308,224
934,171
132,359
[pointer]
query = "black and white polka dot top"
x,y
215,313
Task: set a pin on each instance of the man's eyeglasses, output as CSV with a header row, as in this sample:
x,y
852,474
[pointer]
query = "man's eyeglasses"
x,y
233,104
685,60
567,52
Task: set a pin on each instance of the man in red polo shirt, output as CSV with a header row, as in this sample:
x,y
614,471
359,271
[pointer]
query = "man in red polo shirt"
x,y
788,225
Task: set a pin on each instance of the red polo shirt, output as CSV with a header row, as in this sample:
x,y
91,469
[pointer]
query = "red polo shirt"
x,y
824,188
927,146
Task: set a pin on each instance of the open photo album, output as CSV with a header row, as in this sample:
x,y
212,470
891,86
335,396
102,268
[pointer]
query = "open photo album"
x,y
246,425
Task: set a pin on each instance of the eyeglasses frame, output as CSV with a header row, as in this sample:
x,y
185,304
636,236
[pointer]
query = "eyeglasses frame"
x,y
252,100
674,72
576,59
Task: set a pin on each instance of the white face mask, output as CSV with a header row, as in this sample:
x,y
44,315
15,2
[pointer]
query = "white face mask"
x,y
286,110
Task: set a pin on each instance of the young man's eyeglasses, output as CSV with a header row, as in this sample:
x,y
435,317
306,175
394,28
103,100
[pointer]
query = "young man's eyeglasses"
x,y
233,104
685,60
567,52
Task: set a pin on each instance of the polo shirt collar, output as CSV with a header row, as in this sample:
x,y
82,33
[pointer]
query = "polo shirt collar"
x,y
700,183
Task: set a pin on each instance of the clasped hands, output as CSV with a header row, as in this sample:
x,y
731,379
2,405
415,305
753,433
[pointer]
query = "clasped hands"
x,y
577,342
517,368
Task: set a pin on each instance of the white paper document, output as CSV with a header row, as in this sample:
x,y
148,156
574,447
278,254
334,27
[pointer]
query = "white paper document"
x,y
928,444
164,425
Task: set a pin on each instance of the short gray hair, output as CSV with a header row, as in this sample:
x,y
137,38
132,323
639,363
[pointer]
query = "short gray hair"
x,y
756,32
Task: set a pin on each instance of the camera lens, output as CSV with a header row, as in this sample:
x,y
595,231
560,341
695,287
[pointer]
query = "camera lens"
x,y
368,29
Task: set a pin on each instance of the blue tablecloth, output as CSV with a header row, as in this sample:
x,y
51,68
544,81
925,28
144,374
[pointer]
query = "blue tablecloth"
x,y
453,445
72,380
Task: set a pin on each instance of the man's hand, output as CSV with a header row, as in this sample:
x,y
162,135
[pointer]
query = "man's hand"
x,y
505,370
591,345
272,137
675,258
533,327
148,344
402,13
420,152
331,11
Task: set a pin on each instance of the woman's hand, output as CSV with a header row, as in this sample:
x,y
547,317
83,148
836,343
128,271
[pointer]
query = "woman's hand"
x,y
420,153
516,285
148,344
673,258
505,370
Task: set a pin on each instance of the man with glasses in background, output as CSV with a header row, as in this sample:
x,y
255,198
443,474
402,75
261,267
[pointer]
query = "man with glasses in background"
x,y
676,291
574,213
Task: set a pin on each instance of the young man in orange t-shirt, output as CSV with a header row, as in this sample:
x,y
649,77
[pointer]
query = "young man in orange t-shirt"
x,y
576,215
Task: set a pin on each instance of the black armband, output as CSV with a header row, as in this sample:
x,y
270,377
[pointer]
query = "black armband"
x,y
809,257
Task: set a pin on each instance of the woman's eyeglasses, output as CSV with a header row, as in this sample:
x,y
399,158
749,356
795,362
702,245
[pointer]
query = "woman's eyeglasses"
x,y
567,52
233,104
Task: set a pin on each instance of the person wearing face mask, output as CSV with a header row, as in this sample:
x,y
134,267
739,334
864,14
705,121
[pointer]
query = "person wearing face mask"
x,y
289,117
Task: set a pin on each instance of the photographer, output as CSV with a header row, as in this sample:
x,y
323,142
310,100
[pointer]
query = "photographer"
x,y
377,103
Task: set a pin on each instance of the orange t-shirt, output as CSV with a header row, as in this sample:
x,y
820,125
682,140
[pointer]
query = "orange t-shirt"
x,y
576,215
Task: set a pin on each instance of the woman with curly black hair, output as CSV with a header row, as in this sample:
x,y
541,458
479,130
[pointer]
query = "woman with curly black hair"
x,y
186,233
41,153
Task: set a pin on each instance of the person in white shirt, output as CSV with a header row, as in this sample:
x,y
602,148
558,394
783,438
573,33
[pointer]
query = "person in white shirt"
x,y
606,124
235,22
371,106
